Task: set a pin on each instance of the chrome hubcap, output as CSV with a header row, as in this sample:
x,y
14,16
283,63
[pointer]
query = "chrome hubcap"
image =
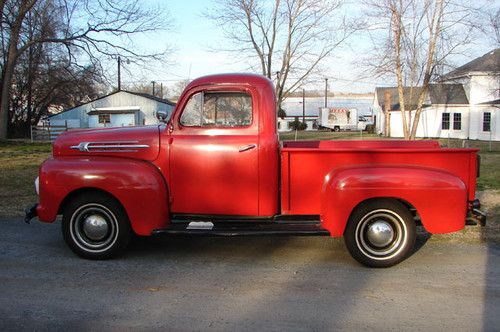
x,y
95,227
380,234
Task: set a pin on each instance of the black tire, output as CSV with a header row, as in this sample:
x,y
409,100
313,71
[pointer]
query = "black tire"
x,y
336,129
95,226
380,233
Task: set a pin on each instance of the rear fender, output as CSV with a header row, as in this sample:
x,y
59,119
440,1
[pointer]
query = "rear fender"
x,y
137,185
440,198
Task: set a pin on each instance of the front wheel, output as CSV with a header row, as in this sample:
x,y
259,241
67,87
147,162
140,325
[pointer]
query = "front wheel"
x,y
95,226
380,233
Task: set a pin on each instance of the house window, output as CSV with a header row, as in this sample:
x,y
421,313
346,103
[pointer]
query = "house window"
x,y
457,121
445,121
486,121
219,109
104,118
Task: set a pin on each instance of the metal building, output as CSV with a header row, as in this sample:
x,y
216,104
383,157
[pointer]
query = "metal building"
x,y
120,108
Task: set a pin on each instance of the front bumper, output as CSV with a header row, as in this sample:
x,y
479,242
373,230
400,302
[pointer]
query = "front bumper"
x,y
30,213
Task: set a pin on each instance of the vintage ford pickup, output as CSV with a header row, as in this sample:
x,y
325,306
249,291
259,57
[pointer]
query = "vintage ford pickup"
x,y
216,167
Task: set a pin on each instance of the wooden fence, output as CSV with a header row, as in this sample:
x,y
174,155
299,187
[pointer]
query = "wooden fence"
x,y
47,132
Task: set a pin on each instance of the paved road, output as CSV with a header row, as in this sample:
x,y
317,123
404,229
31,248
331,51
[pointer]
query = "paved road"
x,y
249,284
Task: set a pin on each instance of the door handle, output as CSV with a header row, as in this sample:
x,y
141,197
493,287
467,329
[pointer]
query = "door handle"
x,y
247,147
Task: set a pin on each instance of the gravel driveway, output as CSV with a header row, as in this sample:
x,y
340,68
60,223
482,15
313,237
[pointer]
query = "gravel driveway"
x,y
249,284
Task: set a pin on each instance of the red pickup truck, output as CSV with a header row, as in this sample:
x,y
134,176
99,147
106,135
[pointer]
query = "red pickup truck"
x,y
217,168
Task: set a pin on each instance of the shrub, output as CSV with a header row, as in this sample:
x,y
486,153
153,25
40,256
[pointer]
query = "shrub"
x,y
370,128
297,124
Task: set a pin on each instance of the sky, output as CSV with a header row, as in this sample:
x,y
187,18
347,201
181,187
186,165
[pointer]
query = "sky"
x,y
193,38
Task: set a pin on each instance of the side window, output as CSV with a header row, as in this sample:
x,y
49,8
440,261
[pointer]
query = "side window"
x,y
457,121
445,121
191,116
104,118
487,121
221,109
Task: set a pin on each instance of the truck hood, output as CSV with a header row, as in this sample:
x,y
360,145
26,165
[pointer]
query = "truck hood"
x,y
129,142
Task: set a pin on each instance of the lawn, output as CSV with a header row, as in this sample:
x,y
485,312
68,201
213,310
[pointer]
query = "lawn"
x,y
19,162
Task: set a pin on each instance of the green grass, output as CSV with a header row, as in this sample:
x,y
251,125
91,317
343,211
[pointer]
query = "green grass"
x,y
490,171
19,163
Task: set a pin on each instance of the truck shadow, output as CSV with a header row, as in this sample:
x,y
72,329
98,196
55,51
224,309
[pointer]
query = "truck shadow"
x,y
490,235
422,237
265,245
254,247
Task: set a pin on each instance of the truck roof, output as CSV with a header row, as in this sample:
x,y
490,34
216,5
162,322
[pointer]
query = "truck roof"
x,y
231,78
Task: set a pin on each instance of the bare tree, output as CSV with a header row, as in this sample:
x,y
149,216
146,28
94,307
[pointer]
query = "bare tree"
x,y
288,39
87,29
44,78
414,41
493,26
177,89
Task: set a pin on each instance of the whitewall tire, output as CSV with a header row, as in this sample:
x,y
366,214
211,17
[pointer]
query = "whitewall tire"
x,y
380,233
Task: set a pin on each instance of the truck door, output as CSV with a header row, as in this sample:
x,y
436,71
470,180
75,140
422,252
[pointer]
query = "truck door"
x,y
214,153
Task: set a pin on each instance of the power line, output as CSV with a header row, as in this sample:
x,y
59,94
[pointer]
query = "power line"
x,y
310,80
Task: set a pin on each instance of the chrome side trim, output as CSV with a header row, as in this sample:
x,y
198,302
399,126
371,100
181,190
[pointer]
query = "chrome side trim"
x,y
111,146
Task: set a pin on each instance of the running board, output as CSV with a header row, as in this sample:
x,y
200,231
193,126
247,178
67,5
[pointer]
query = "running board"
x,y
242,229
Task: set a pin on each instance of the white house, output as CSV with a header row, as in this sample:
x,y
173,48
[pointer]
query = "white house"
x,y
120,108
445,111
465,104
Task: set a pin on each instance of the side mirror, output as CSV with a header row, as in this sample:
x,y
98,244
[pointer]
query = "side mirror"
x,y
162,116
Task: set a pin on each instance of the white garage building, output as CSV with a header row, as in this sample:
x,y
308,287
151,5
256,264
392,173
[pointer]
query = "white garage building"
x,y
118,109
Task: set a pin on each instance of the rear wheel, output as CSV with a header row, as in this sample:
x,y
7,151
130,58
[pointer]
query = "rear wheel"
x,y
380,233
95,226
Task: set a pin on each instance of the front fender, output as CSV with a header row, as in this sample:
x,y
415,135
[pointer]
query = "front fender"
x,y
439,197
138,185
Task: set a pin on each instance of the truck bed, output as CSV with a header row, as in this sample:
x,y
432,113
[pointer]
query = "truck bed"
x,y
301,186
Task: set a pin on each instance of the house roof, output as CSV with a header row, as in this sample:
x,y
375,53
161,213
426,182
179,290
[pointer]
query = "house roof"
x,y
493,102
490,62
449,94
144,95
147,95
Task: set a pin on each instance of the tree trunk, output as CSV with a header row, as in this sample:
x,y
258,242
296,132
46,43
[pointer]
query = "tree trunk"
x,y
5,102
396,16
387,113
9,66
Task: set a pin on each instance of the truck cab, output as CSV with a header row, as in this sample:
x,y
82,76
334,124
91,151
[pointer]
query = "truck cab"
x,y
223,148
216,167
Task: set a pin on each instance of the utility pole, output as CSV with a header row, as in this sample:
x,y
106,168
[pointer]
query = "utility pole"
x,y
153,87
304,105
119,74
161,90
326,92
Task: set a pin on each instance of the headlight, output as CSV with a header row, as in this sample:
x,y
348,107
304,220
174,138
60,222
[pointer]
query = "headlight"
x,y
37,185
